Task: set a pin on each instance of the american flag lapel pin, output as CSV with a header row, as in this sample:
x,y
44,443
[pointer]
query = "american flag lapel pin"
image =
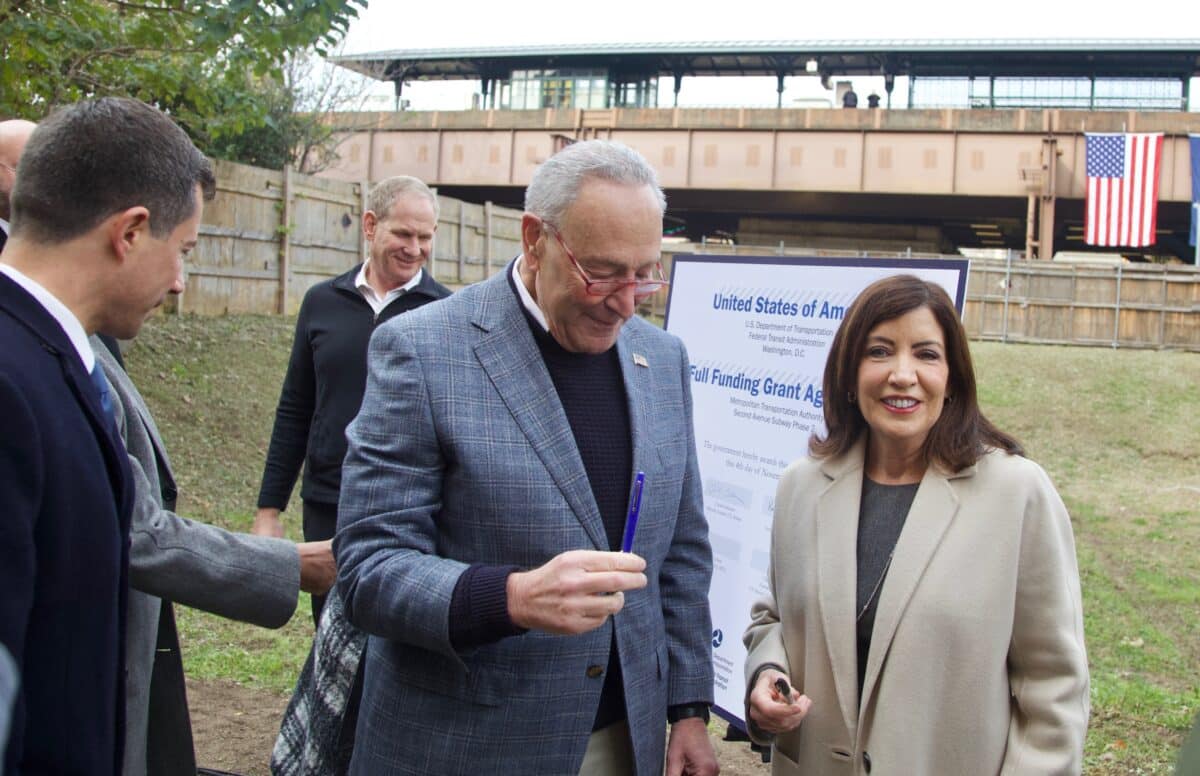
x,y
640,360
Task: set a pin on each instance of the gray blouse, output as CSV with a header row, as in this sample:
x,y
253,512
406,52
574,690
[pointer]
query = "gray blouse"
x,y
880,521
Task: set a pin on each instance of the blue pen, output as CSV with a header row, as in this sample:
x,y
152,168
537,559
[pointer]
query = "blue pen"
x,y
635,507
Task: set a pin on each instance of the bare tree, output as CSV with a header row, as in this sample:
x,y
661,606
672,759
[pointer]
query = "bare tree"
x,y
324,99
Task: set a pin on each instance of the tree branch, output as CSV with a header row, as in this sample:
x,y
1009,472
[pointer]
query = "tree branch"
x,y
124,4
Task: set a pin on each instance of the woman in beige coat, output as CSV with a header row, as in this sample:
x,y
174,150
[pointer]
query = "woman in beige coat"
x,y
924,612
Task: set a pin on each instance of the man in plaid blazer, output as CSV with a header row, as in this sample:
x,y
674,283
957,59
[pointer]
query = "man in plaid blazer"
x,y
485,494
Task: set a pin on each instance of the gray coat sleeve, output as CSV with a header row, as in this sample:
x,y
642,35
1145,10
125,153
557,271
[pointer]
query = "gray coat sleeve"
x,y
254,579
238,576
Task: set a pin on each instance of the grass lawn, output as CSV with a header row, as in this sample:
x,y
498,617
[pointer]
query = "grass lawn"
x,y
1118,431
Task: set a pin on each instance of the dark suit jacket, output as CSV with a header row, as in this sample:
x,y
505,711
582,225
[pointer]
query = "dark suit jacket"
x,y
64,538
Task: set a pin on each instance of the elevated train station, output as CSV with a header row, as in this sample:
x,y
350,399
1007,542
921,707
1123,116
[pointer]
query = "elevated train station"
x,y
983,147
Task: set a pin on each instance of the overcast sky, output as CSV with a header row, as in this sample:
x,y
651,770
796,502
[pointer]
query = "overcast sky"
x,y
388,24
396,24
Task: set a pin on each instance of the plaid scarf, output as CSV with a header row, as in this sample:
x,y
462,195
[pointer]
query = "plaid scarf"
x,y
308,743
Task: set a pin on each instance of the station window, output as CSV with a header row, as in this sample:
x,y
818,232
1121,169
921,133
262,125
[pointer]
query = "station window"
x,y
1157,94
534,89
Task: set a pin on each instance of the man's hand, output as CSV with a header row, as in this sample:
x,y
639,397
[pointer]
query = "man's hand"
x,y
570,593
317,568
772,711
266,523
689,751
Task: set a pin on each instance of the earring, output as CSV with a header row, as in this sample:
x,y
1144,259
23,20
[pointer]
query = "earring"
x,y
851,397
949,399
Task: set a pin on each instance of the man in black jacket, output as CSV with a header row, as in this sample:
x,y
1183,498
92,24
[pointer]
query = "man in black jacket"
x,y
328,369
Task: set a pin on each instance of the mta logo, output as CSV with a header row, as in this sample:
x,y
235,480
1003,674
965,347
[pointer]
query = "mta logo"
x,y
718,637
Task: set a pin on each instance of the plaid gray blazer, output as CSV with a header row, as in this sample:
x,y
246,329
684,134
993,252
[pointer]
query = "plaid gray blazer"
x,y
462,453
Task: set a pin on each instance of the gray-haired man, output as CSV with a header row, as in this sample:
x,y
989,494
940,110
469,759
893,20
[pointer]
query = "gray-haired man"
x,y
485,492
328,366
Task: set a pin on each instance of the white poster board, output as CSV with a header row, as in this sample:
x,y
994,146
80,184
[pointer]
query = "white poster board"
x,y
758,330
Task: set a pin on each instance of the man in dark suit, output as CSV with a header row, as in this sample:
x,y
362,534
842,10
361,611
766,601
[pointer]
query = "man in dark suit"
x,y
107,204
485,495
14,134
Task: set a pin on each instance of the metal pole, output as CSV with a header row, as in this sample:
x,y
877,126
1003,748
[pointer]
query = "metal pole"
x,y
285,241
1007,286
1049,193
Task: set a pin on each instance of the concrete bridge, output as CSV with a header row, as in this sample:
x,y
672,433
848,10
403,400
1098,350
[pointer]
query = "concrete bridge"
x,y
932,180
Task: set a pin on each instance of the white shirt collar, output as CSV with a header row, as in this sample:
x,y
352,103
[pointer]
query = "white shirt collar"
x,y
526,297
66,319
368,292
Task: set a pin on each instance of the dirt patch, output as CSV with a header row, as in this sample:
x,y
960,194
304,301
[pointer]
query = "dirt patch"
x,y
234,728
736,758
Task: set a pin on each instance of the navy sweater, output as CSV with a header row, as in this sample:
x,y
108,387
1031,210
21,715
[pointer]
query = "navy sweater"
x,y
592,391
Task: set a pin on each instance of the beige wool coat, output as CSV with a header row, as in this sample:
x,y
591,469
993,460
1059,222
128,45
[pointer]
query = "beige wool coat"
x,y
977,661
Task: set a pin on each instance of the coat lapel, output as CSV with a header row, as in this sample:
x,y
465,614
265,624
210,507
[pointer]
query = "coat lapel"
x,y
635,370
130,397
932,510
143,413
27,311
837,541
510,357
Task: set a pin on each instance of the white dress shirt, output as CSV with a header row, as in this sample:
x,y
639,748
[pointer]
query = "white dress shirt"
x,y
66,319
368,292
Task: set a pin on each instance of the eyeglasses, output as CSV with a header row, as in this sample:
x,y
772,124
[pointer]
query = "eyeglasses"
x,y
642,287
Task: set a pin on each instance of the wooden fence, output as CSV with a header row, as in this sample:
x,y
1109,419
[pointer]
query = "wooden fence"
x,y
1116,305
473,241
269,235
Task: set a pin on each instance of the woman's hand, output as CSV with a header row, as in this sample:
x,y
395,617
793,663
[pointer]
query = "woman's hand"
x,y
774,711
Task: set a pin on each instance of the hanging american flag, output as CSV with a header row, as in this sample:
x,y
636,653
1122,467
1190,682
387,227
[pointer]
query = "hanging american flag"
x,y
1122,188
